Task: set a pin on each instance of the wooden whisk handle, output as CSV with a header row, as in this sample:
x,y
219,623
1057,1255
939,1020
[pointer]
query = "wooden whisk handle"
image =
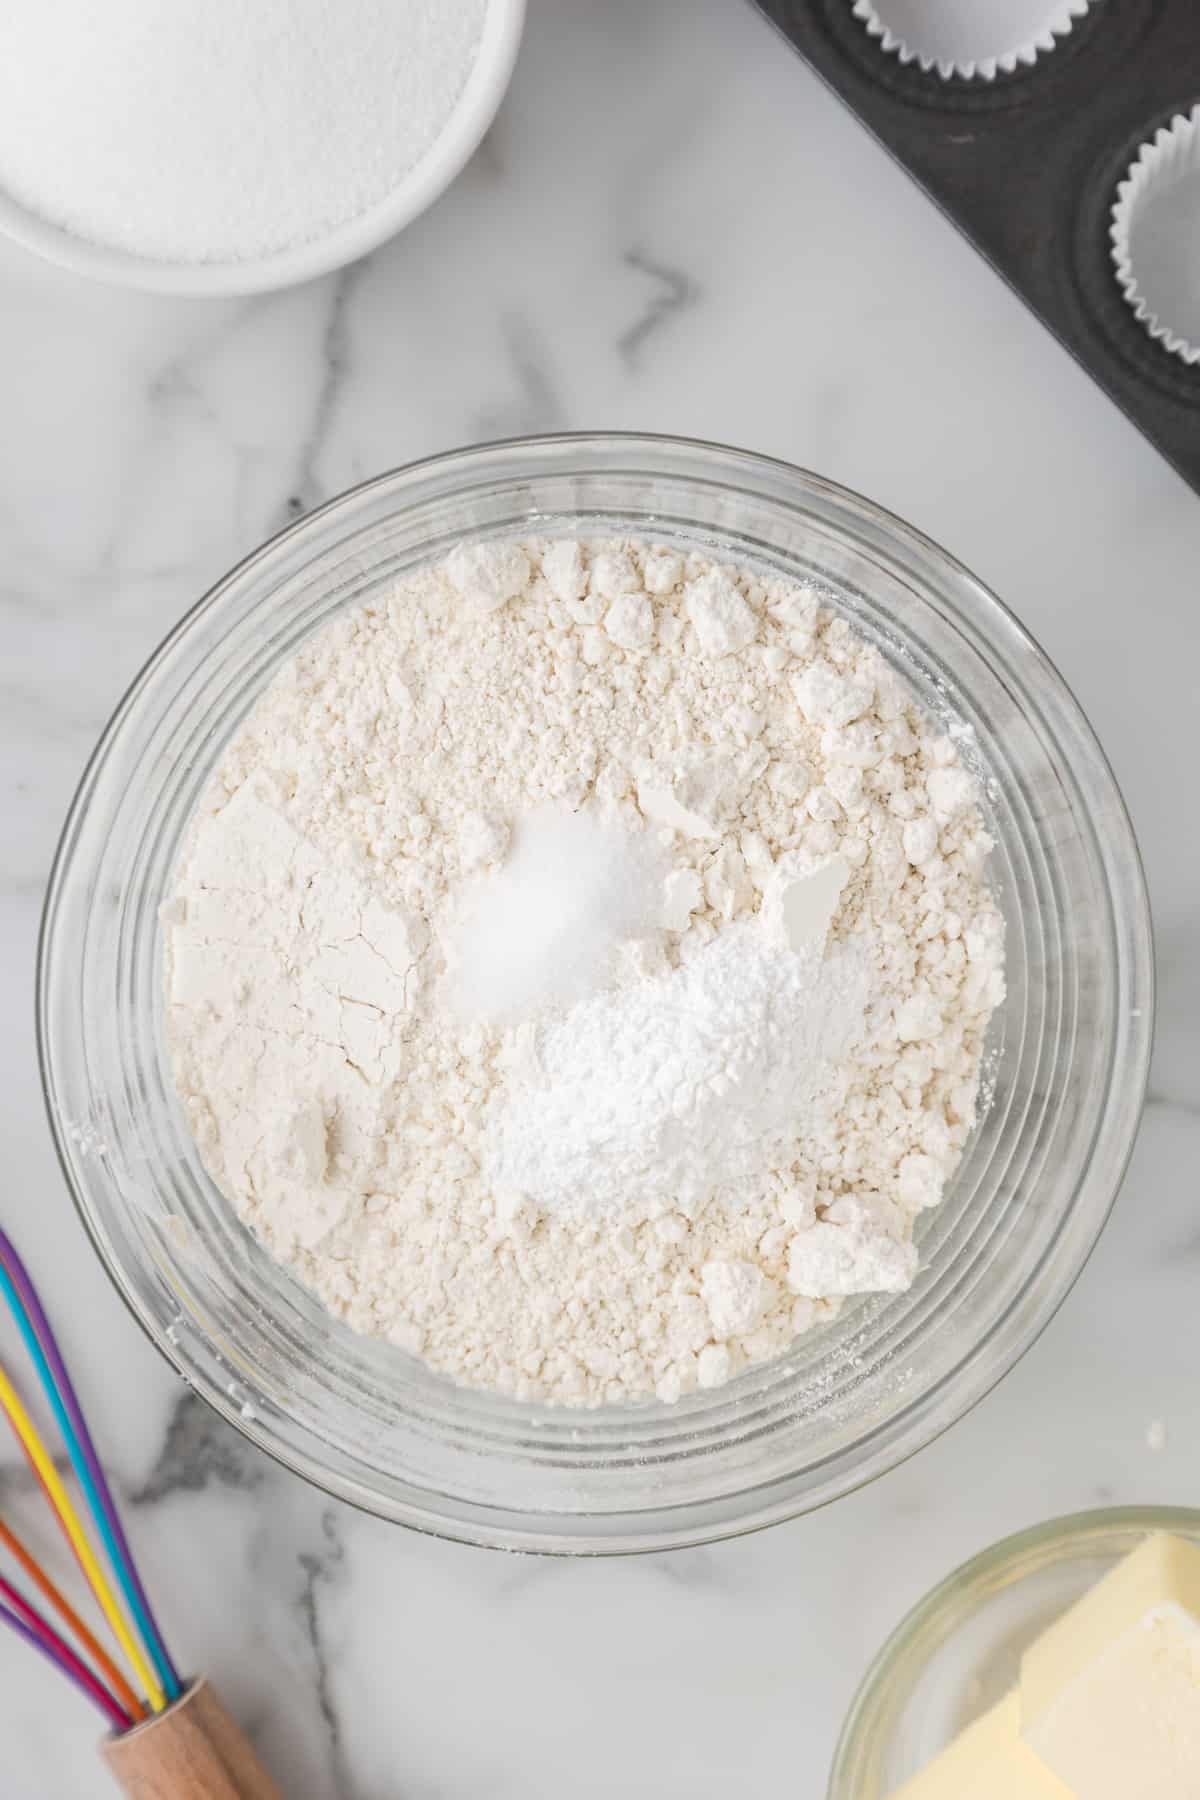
x,y
192,1751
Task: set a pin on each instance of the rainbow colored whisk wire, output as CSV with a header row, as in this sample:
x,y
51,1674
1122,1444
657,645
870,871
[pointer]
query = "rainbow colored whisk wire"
x,y
126,1610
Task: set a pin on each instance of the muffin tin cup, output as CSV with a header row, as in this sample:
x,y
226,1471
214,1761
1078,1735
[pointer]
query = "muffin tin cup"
x,y
1155,236
969,42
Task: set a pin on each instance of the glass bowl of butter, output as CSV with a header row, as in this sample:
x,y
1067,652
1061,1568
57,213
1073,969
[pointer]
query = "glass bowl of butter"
x,y
1061,1664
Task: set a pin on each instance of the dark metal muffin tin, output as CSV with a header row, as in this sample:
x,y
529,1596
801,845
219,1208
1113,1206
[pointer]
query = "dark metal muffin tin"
x,y
1027,165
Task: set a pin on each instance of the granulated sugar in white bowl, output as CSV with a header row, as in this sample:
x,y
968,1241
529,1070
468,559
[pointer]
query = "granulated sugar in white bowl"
x,y
216,146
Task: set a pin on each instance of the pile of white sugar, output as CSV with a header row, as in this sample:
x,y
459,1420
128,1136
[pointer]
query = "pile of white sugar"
x,y
578,970
220,130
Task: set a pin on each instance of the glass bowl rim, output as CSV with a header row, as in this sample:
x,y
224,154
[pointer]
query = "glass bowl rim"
x,y
893,527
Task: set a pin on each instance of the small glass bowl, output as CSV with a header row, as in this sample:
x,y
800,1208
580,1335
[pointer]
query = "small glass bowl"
x,y
959,1650
1067,1053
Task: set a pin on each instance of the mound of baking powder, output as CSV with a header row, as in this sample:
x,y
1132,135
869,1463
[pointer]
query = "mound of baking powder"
x,y
674,1090
578,969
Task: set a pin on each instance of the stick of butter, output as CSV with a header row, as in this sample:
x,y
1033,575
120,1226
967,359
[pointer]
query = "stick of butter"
x,y
1108,1704
1110,1694
988,1761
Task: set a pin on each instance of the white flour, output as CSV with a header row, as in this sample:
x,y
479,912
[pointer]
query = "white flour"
x,y
746,1078
202,130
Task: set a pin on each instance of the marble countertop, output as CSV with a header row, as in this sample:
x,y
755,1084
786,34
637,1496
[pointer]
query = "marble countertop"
x,y
672,227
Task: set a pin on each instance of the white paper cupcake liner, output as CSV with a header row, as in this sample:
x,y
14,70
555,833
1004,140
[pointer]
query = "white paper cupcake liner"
x,y
1155,234
974,39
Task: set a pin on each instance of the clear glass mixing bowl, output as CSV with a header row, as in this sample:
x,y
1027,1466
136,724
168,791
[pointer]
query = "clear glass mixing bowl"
x,y
373,1425
959,1650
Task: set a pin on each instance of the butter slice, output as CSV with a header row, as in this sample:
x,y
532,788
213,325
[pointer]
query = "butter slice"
x,y
1110,1694
988,1761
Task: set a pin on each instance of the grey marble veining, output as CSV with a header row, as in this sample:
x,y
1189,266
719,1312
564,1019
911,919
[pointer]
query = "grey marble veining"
x,y
673,291
671,227
199,1453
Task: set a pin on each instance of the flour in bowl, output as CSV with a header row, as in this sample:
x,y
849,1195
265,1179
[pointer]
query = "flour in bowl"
x,y
578,969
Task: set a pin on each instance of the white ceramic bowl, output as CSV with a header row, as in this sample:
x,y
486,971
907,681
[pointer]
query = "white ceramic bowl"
x,y
477,107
